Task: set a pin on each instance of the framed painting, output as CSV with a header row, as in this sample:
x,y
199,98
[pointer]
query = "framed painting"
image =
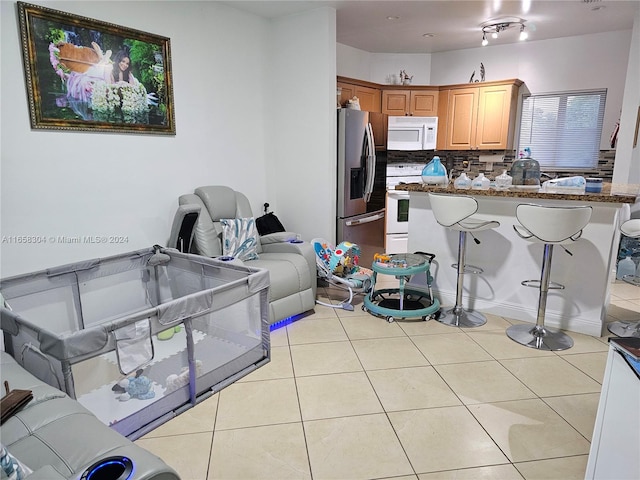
x,y
89,75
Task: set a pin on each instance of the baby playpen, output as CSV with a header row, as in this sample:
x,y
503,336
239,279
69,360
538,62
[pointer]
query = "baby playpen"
x,y
140,336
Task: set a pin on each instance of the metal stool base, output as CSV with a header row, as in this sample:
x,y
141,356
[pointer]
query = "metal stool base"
x,y
625,329
469,269
632,279
536,284
463,318
539,337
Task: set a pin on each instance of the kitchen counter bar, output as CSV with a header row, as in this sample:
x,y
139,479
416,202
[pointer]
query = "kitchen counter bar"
x,y
611,193
508,259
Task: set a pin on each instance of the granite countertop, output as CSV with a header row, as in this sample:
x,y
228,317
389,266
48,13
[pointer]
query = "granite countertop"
x,y
611,193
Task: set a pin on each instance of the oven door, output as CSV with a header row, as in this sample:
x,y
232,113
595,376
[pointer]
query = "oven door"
x,y
397,211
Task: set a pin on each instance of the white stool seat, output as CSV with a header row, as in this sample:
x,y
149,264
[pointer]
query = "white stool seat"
x,y
475,224
548,225
630,228
457,212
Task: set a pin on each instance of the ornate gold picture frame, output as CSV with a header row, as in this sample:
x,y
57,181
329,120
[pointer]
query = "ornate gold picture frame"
x,y
87,75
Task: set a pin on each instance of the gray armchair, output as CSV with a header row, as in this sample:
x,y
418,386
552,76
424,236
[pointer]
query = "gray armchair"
x,y
291,266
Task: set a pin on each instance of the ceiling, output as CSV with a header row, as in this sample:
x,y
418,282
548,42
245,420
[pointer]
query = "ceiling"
x,y
454,24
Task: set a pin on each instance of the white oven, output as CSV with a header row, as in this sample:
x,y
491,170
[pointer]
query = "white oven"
x,y
397,214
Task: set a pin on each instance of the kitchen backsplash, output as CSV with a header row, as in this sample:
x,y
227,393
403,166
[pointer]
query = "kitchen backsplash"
x,y
457,159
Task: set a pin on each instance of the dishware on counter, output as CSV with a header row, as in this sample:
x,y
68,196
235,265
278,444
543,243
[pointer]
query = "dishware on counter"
x,y
434,173
503,181
626,266
594,185
463,182
480,182
525,170
575,184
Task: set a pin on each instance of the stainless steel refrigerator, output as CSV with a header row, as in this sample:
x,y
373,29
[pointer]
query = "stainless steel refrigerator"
x,y
356,172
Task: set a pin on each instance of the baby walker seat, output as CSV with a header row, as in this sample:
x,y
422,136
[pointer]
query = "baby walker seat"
x,y
340,267
413,298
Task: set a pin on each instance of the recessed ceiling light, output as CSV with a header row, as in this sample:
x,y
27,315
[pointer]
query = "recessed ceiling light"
x,y
428,35
393,17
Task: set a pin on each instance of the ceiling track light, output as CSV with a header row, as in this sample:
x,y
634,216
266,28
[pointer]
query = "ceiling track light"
x,y
495,27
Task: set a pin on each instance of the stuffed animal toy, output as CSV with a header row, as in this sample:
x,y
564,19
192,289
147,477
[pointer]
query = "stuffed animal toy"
x,y
174,382
139,387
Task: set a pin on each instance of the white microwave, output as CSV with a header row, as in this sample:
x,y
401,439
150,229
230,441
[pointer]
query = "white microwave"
x,y
412,133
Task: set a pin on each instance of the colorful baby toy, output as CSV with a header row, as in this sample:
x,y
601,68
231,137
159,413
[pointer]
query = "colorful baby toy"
x,y
139,387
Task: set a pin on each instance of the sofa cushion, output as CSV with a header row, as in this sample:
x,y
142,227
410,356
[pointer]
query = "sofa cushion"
x,y
55,433
288,273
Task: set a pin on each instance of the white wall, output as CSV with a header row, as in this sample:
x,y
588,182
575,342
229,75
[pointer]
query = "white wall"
x,y
301,122
570,63
68,184
628,156
382,67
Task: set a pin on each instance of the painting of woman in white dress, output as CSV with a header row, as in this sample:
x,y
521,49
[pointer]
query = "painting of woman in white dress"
x,y
99,76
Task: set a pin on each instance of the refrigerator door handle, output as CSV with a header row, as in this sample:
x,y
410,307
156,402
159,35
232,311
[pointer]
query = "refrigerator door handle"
x,y
371,164
361,221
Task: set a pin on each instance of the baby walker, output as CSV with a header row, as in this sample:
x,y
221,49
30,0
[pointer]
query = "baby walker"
x,y
413,298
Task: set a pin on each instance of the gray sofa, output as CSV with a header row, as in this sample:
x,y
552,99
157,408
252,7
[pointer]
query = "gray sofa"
x,y
291,266
58,438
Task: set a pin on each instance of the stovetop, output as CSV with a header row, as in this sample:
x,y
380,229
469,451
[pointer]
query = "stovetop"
x,y
405,169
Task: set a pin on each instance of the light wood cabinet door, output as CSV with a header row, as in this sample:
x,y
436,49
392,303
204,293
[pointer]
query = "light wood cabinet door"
x,y
420,103
495,113
396,102
347,91
477,117
369,97
424,103
443,115
462,114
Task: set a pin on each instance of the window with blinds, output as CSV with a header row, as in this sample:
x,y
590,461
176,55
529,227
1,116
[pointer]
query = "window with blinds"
x,y
563,130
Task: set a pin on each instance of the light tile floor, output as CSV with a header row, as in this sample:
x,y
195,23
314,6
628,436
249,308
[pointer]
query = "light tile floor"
x,y
350,396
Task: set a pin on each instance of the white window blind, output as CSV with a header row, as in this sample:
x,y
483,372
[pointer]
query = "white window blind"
x,y
563,130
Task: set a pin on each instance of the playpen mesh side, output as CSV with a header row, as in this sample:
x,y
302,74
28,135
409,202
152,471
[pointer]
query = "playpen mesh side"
x,y
221,310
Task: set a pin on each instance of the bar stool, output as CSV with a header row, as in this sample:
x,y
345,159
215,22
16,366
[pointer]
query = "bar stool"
x,y
456,212
630,228
550,226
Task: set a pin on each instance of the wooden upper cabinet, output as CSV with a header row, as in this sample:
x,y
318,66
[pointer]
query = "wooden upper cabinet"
x,y
369,96
424,103
478,117
396,102
496,117
421,103
474,116
462,115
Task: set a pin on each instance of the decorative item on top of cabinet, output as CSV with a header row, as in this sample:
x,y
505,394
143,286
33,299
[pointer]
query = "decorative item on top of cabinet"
x,y
416,101
478,117
405,78
368,93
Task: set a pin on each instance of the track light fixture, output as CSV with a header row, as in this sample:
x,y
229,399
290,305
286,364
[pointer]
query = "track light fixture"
x,y
495,27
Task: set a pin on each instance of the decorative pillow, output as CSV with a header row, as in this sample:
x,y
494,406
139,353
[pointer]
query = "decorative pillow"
x,y
239,238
